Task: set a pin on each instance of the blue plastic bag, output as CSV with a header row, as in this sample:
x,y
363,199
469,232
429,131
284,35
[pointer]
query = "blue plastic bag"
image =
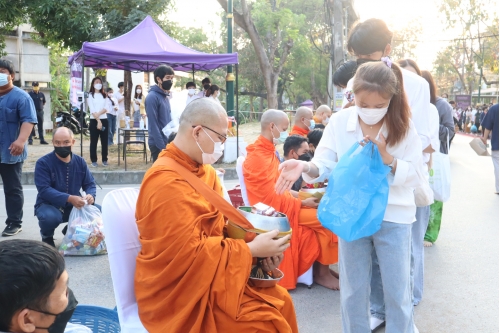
x,y
356,197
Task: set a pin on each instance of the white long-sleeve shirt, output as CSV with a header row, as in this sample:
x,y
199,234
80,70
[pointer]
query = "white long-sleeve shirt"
x,y
96,104
343,131
418,94
112,109
434,125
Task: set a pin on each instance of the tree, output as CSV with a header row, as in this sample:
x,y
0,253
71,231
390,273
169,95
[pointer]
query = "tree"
x,y
405,40
272,29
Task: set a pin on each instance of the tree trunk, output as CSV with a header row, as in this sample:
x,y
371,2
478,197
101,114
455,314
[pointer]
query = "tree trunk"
x,y
127,81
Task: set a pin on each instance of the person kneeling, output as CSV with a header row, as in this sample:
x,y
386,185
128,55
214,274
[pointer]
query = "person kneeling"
x,y
58,178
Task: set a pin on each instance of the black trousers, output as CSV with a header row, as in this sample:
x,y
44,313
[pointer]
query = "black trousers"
x,y
95,135
13,190
39,118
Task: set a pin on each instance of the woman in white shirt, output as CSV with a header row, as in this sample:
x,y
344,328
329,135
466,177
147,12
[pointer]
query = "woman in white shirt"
x,y
213,93
382,115
112,108
137,101
98,126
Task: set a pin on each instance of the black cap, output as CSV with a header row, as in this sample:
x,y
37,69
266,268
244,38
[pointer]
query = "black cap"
x,y
34,84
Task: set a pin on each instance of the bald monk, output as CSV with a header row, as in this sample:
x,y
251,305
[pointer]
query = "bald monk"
x,y
303,122
189,277
310,241
323,114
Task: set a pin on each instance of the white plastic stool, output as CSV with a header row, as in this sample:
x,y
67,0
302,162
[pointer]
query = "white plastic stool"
x,y
307,278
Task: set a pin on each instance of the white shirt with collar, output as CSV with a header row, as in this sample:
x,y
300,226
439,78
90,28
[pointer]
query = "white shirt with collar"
x,y
343,131
418,94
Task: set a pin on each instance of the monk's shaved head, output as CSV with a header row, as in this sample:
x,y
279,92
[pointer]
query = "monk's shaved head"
x,y
202,111
62,132
323,109
273,116
203,123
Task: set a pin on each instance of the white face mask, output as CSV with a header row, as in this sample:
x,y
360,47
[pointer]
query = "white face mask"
x,y
371,116
213,157
191,92
138,91
326,121
97,86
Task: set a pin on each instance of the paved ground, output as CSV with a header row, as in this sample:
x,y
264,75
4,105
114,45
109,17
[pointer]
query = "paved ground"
x,y
462,268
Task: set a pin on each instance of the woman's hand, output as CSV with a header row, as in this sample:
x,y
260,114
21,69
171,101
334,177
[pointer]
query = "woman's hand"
x,y
271,263
382,148
291,170
264,245
99,125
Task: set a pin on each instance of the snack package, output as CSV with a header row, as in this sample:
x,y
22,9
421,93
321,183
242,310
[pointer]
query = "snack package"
x,y
262,209
85,235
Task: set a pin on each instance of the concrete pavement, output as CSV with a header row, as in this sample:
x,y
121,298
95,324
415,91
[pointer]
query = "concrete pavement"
x,y
462,268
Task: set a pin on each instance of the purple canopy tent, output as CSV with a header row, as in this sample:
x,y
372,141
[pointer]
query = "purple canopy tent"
x,y
307,103
146,47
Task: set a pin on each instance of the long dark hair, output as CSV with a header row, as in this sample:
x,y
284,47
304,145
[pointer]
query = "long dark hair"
x,y
432,86
135,92
410,63
92,89
108,90
210,91
388,82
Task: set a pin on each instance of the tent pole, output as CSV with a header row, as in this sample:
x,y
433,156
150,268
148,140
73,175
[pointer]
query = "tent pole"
x,y
237,118
82,105
193,72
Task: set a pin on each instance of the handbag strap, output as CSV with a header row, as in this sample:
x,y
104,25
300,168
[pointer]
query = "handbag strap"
x,y
209,194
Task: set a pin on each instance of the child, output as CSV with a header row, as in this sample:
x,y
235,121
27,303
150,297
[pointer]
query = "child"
x,y
382,115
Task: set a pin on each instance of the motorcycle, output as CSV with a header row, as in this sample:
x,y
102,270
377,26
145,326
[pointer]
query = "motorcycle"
x,y
72,121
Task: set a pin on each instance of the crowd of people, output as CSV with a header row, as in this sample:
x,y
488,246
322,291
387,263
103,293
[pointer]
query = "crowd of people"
x,y
191,277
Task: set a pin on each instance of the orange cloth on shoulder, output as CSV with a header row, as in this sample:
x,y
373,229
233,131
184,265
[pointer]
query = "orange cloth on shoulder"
x,y
189,277
296,130
317,120
310,240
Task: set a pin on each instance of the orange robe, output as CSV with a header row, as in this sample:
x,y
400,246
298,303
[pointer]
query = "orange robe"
x,y
296,130
310,240
318,120
189,277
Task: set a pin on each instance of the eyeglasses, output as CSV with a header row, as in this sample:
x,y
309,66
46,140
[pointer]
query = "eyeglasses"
x,y
222,137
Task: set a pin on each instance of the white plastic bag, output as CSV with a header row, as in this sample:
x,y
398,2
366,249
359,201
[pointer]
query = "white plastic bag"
x,y
76,328
172,127
85,234
423,194
440,176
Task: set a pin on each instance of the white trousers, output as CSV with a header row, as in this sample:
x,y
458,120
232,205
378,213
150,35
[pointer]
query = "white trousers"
x,y
494,157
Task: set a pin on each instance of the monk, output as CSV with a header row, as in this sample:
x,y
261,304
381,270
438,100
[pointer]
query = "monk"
x,y
323,114
310,241
303,121
189,276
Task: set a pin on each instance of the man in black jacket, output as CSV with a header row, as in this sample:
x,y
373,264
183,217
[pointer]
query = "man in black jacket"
x,y
39,100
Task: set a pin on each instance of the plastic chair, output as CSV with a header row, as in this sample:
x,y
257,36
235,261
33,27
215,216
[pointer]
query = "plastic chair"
x,y
122,241
98,319
307,277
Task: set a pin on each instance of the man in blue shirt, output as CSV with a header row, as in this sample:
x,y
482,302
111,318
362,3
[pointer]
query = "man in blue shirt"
x,y
58,178
39,100
17,118
158,109
490,125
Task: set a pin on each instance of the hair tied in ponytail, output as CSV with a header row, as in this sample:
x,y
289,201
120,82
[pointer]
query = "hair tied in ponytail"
x,y
387,61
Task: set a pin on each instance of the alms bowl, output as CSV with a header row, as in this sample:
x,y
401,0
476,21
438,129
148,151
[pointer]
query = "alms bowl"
x,y
305,193
266,283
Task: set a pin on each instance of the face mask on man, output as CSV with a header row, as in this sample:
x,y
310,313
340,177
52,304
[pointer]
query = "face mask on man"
x,y
4,79
191,92
62,319
206,86
371,116
166,85
97,86
305,157
311,125
281,139
63,152
213,157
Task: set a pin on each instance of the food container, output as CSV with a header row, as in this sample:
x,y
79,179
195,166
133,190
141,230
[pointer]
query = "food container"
x,y
261,224
131,123
122,123
305,193
266,283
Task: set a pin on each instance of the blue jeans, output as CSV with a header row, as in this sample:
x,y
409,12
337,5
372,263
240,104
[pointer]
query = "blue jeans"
x,y
49,218
418,230
112,128
392,244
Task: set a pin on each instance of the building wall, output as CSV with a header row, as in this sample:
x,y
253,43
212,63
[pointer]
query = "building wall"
x,y
31,63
